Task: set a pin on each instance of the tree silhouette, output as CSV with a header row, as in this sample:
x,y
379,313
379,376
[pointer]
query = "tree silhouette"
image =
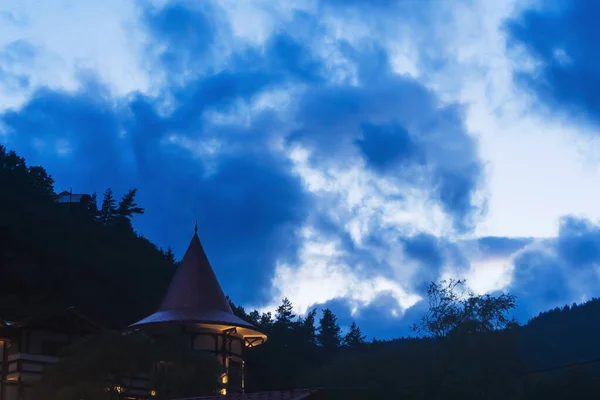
x,y
329,333
454,307
309,329
354,339
284,314
108,209
127,208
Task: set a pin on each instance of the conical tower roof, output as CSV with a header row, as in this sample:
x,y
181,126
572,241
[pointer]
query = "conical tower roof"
x,y
194,295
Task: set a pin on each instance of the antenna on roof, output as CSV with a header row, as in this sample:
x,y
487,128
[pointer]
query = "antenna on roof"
x,y
196,228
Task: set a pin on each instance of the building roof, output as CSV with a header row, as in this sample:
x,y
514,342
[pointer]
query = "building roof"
x,y
69,312
195,295
298,394
68,197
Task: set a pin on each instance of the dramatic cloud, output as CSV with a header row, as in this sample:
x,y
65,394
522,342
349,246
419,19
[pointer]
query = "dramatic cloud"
x,y
185,165
399,128
339,153
560,37
560,271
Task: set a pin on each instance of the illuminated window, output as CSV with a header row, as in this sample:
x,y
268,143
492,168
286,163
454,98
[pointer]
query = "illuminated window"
x,y
223,391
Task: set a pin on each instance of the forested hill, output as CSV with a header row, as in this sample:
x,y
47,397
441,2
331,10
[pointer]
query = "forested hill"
x,y
563,335
56,254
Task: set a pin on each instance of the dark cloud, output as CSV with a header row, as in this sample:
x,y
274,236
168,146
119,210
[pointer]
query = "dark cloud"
x,y
561,36
498,246
248,202
539,282
249,207
579,242
290,56
228,175
399,127
181,36
74,135
360,3
426,249
558,272
386,145
431,254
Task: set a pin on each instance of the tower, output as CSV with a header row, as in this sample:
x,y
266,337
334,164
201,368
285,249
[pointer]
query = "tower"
x,y
196,305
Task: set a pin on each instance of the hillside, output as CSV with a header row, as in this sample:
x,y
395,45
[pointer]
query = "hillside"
x,y
58,254
563,336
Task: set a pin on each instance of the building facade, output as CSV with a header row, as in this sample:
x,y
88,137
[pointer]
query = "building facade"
x,y
196,305
27,346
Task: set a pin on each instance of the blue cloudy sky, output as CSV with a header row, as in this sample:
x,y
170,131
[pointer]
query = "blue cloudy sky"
x,y
337,152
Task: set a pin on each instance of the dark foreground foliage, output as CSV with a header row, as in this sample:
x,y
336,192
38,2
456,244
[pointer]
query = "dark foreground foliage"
x,y
172,368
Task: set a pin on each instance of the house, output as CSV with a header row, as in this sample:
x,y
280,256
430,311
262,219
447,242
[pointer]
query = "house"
x,y
196,305
27,346
68,197
193,304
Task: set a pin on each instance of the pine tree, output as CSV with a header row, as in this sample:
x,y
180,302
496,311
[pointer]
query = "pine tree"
x,y
108,210
128,206
254,317
284,314
308,327
92,206
354,339
126,209
328,336
266,322
170,256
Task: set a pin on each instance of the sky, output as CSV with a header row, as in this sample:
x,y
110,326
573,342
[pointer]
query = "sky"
x,y
340,153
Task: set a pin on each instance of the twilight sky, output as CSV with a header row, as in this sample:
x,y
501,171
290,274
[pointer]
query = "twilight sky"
x,y
338,152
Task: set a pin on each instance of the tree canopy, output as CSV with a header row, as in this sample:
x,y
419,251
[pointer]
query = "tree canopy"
x,y
453,308
55,255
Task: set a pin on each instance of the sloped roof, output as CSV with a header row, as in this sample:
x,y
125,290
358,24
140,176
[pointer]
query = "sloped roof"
x,y
67,312
195,295
68,197
298,394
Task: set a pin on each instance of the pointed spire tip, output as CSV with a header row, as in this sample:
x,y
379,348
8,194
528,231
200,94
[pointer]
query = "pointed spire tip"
x,y
196,228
